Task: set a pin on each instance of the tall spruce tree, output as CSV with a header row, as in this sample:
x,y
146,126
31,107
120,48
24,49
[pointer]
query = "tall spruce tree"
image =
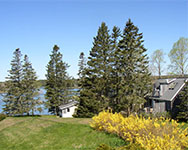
x,y
56,84
132,69
30,88
114,81
94,92
13,98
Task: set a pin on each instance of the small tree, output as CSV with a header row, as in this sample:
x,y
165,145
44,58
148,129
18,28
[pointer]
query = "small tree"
x,y
179,57
157,61
81,64
57,92
30,88
82,67
13,98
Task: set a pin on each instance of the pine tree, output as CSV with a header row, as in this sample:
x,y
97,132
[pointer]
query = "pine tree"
x,y
94,93
56,84
183,106
13,98
30,87
81,64
114,88
132,69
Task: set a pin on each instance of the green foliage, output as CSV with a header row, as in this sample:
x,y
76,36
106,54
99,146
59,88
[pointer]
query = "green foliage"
x,y
131,146
134,81
157,61
21,87
179,57
2,87
2,117
95,84
13,98
183,107
57,92
82,65
30,88
166,115
104,147
117,74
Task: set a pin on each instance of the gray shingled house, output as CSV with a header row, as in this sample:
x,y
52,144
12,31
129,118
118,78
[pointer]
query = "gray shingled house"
x,y
164,95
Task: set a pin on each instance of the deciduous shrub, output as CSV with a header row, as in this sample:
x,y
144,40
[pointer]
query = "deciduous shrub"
x,y
2,116
131,146
159,134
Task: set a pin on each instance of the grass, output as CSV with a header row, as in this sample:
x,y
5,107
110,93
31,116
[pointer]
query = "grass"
x,y
51,133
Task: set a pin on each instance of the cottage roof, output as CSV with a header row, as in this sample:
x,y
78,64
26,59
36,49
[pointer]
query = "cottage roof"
x,y
67,105
175,86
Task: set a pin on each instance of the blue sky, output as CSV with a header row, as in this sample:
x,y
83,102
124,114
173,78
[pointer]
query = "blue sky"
x,y
35,26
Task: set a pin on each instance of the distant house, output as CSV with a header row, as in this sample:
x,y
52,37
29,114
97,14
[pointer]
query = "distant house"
x,y
164,95
67,110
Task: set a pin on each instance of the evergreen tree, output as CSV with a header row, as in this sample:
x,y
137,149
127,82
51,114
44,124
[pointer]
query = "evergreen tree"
x,y
56,84
30,88
13,98
95,86
132,69
81,64
115,80
183,106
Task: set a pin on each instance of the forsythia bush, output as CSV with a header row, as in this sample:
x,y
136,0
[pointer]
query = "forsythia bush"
x,y
150,134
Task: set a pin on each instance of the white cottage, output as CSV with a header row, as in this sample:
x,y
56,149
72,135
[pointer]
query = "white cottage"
x,y
67,110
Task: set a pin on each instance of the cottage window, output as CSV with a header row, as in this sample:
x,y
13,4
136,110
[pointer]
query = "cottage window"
x,y
68,110
64,111
172,86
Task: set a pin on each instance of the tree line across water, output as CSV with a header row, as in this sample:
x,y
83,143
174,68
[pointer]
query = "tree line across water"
x,y
116,75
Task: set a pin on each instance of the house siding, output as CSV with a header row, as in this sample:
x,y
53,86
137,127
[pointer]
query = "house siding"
x,y
159,106
68,114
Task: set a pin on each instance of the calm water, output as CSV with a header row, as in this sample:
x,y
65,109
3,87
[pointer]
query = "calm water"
x,y
41,96
1,103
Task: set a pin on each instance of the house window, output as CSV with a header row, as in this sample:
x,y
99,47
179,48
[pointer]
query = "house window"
x,y
172,86
68,109
64,111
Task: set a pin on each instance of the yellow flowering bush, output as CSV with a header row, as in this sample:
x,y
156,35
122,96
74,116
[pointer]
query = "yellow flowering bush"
x,y
150,134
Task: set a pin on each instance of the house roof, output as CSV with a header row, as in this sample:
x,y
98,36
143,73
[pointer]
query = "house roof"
x,y
166,80
173,89
67,105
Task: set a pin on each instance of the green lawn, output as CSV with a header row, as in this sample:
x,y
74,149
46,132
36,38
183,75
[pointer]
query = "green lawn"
x,y
51,133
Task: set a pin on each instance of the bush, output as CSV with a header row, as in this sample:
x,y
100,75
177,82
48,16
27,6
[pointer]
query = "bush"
x,y
2,116
104,147
166,115
131,146
148,133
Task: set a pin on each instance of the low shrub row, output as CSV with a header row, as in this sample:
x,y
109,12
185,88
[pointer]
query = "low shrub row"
x,y
149,134
2,116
